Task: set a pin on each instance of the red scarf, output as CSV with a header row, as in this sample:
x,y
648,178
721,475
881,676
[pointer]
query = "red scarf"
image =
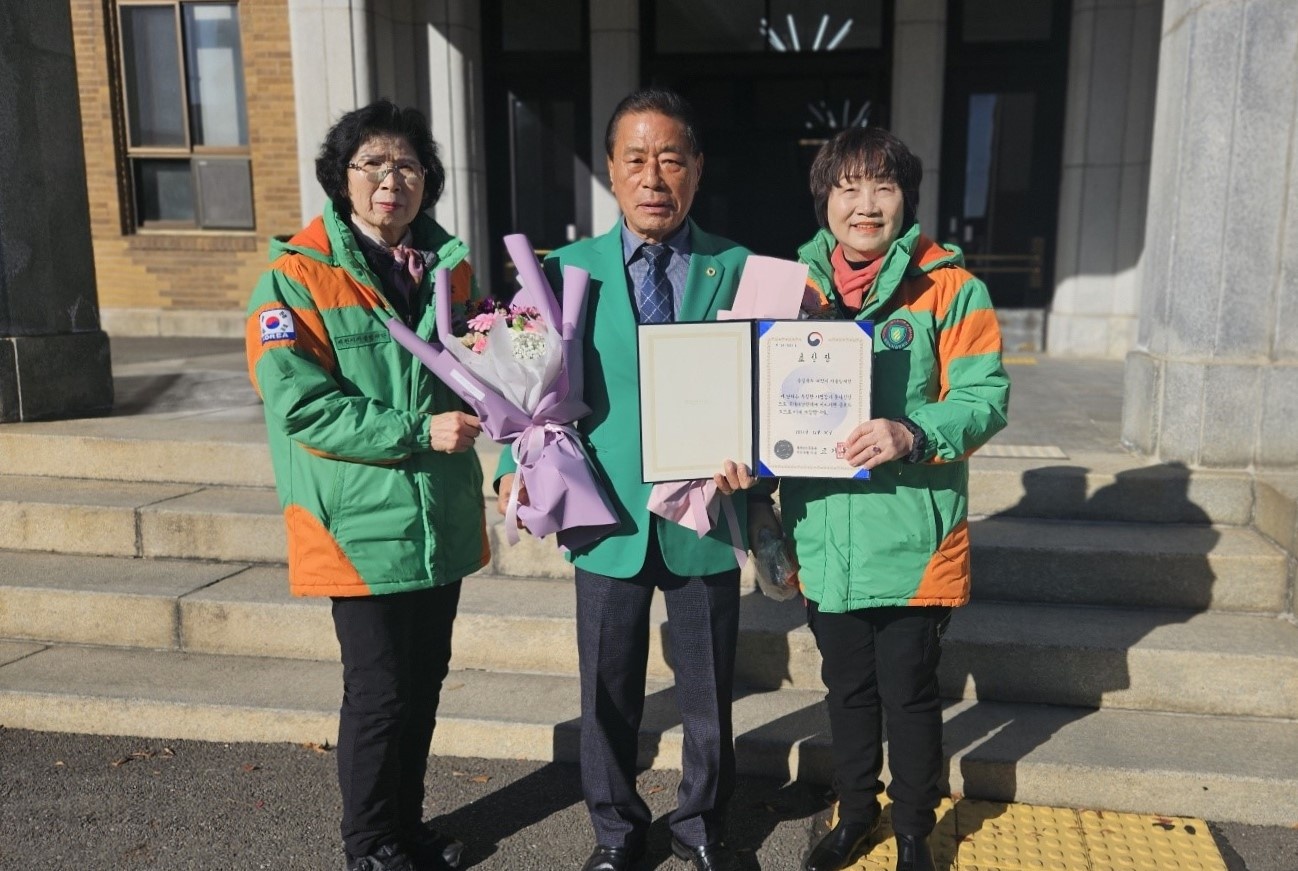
x,y
853,281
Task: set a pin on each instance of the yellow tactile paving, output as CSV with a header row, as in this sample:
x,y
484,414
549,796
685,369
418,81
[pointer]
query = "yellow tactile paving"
x,y
995,836
1136,842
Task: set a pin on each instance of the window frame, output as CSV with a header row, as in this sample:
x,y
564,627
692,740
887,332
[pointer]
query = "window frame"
x,y
130,153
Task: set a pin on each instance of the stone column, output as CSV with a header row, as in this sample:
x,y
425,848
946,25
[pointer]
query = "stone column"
x,y
1213,380
614,73
1104,186
454,84
331,75
54,359
918,74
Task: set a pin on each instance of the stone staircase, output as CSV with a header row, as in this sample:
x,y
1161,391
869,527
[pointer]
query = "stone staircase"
x,y
1130,647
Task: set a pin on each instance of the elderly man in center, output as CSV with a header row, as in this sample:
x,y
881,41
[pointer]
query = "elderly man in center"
x,y
655,265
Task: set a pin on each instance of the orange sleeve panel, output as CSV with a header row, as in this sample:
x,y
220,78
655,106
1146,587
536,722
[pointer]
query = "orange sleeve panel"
x,y
976,333
946,578
317,566
310,337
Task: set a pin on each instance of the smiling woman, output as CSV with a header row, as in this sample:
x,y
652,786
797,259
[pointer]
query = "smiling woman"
x,y
883,560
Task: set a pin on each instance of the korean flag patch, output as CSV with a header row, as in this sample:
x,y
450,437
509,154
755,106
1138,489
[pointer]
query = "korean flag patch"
x,y
277,325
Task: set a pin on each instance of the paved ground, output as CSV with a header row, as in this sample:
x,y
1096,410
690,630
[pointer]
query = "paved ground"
x,y
88,803
82,803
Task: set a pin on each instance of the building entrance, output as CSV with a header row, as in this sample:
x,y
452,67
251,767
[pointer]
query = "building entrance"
x,y
1003,122
770,82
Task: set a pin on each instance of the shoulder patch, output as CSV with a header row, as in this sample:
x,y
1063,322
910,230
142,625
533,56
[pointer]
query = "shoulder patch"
x,y
277,325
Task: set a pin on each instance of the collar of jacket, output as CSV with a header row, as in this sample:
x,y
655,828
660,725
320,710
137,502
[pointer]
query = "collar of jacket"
x,y
329,240
706,276
911,254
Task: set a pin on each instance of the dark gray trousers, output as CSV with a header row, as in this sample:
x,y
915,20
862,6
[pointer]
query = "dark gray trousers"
x,y
613,650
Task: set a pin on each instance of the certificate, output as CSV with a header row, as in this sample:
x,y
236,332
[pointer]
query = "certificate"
x,y
813,389
696,398
781,397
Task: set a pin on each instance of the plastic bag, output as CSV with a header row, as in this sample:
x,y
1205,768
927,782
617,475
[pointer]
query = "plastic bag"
x,y
777,574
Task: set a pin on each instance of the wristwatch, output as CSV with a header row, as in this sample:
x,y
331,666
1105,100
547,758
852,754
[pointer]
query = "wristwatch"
x,y
919,441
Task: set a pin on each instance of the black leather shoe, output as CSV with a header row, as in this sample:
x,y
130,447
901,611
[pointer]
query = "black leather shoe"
x,y
913,854
837,849
709,857
432,850
611,859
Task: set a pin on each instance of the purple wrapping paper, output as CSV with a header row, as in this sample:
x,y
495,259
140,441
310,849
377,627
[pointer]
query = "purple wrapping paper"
x,y
564,497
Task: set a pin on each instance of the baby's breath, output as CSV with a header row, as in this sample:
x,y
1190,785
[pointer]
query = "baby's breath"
x,y
527,346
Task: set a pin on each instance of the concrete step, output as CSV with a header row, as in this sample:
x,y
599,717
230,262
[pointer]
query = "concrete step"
x,y
160,449
1109,486
186,521
1144,659
200,449
1208,767
137,449
1141,659
1128,565
1074,562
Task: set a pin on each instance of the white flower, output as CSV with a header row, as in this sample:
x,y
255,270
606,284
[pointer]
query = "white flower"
x,y
527,346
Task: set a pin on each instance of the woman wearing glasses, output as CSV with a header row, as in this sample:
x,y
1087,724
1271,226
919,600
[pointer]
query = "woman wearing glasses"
x,y
382,496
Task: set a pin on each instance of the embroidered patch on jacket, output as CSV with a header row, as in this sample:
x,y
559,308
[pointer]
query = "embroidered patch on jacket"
x,y
277,325
897,334
360,340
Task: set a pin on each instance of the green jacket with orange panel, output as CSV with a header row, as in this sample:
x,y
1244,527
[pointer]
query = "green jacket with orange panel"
x,y
902,536
369,507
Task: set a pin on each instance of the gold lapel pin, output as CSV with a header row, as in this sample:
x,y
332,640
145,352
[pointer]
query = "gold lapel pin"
x,y
711,271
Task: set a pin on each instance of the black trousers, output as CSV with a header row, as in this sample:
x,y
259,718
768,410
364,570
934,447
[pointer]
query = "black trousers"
x,y
613,653
879,662
396,651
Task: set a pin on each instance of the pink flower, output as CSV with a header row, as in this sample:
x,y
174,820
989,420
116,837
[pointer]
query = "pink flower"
x,y
519,319
484,322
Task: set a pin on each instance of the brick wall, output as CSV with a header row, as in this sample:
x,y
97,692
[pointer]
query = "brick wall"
x,y
187,272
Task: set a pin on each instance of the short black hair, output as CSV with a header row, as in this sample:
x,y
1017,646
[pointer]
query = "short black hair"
x,y
664,102
354,129
865,152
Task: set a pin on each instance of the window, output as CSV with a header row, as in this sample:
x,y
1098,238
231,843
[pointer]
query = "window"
x,y
186,119
762,26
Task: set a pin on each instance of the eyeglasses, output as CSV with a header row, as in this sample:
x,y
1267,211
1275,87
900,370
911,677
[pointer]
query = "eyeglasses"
x,y
410,173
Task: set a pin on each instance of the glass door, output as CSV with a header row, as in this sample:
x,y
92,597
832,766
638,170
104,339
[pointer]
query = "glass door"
x,y
1002,142
537,91
770,81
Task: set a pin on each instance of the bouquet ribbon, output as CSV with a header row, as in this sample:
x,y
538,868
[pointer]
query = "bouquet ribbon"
x,y
553,463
